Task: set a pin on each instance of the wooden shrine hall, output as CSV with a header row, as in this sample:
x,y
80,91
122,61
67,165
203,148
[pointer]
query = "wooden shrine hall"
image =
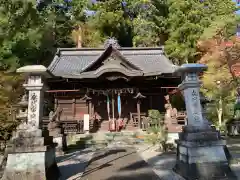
x,y
115,87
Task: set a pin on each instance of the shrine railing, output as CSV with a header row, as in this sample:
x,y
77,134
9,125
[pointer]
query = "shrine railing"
x,y
69,126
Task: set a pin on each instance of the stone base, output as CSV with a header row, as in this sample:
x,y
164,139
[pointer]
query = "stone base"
x,y
31,166
202,155
31,157
205,171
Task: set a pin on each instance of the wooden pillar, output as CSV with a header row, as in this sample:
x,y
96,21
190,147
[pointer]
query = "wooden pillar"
x,y
74,107
55,104
90,108
93,110
139,112
113,106
151,103
138,97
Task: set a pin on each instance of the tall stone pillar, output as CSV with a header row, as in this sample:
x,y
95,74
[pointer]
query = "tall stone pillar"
x,y
200,149
30,155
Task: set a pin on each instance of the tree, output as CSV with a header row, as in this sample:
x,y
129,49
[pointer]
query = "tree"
x,y
218,84
176,24
20,42
151,17
28,35
187,20
217,87
111,20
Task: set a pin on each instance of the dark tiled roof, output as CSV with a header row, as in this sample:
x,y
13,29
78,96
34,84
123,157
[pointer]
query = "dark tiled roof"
x,y
150,61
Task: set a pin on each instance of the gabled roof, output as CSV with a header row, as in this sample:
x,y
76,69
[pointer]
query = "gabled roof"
x,y
77,63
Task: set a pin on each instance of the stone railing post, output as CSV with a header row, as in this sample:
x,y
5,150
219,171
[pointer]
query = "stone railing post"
x,y
200,150
30,155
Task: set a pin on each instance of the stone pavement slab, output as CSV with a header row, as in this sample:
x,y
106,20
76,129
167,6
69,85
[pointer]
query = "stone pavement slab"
x,y
72,165
118,164
234,148
161,163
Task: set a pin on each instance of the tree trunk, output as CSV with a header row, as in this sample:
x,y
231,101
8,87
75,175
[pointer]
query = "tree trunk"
x,y
220,113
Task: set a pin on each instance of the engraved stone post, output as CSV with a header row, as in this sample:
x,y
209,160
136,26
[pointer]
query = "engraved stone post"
x,y
200,150
31,156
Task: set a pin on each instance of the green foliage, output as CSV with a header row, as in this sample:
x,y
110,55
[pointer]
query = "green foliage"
x,y
177,102
151,19
20,35
111,21
218,84
157,132
224,25
176,24
27,36
187,20
10,89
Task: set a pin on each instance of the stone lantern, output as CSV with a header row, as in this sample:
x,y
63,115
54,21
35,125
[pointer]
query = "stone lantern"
x,y
22,108
30,154
200,149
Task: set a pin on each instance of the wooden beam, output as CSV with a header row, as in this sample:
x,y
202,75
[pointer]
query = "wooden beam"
x,y
66,90
169,87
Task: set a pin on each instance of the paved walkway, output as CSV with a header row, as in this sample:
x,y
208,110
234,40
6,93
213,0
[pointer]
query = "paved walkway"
x,y
118,164
161,163
234,148
72,165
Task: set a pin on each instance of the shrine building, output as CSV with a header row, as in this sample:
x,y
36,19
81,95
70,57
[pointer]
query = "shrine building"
x,y
113,87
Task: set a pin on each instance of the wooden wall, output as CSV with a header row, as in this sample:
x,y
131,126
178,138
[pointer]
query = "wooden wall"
x,y
73,108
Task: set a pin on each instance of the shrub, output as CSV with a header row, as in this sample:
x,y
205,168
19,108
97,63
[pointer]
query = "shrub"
x,y
157,131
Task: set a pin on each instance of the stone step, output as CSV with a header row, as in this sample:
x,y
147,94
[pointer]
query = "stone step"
x,y
103,138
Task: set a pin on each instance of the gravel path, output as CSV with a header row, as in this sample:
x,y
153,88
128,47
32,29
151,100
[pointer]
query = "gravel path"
x,y
118,164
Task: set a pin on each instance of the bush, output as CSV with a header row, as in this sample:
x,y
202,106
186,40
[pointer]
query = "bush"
x,y
157,132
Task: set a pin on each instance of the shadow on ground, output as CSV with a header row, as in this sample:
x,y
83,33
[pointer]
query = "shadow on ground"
x,y
100,155
72,165
124,164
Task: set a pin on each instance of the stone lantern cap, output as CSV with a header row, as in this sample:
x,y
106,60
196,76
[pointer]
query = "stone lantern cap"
x,y
35,70
190,68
